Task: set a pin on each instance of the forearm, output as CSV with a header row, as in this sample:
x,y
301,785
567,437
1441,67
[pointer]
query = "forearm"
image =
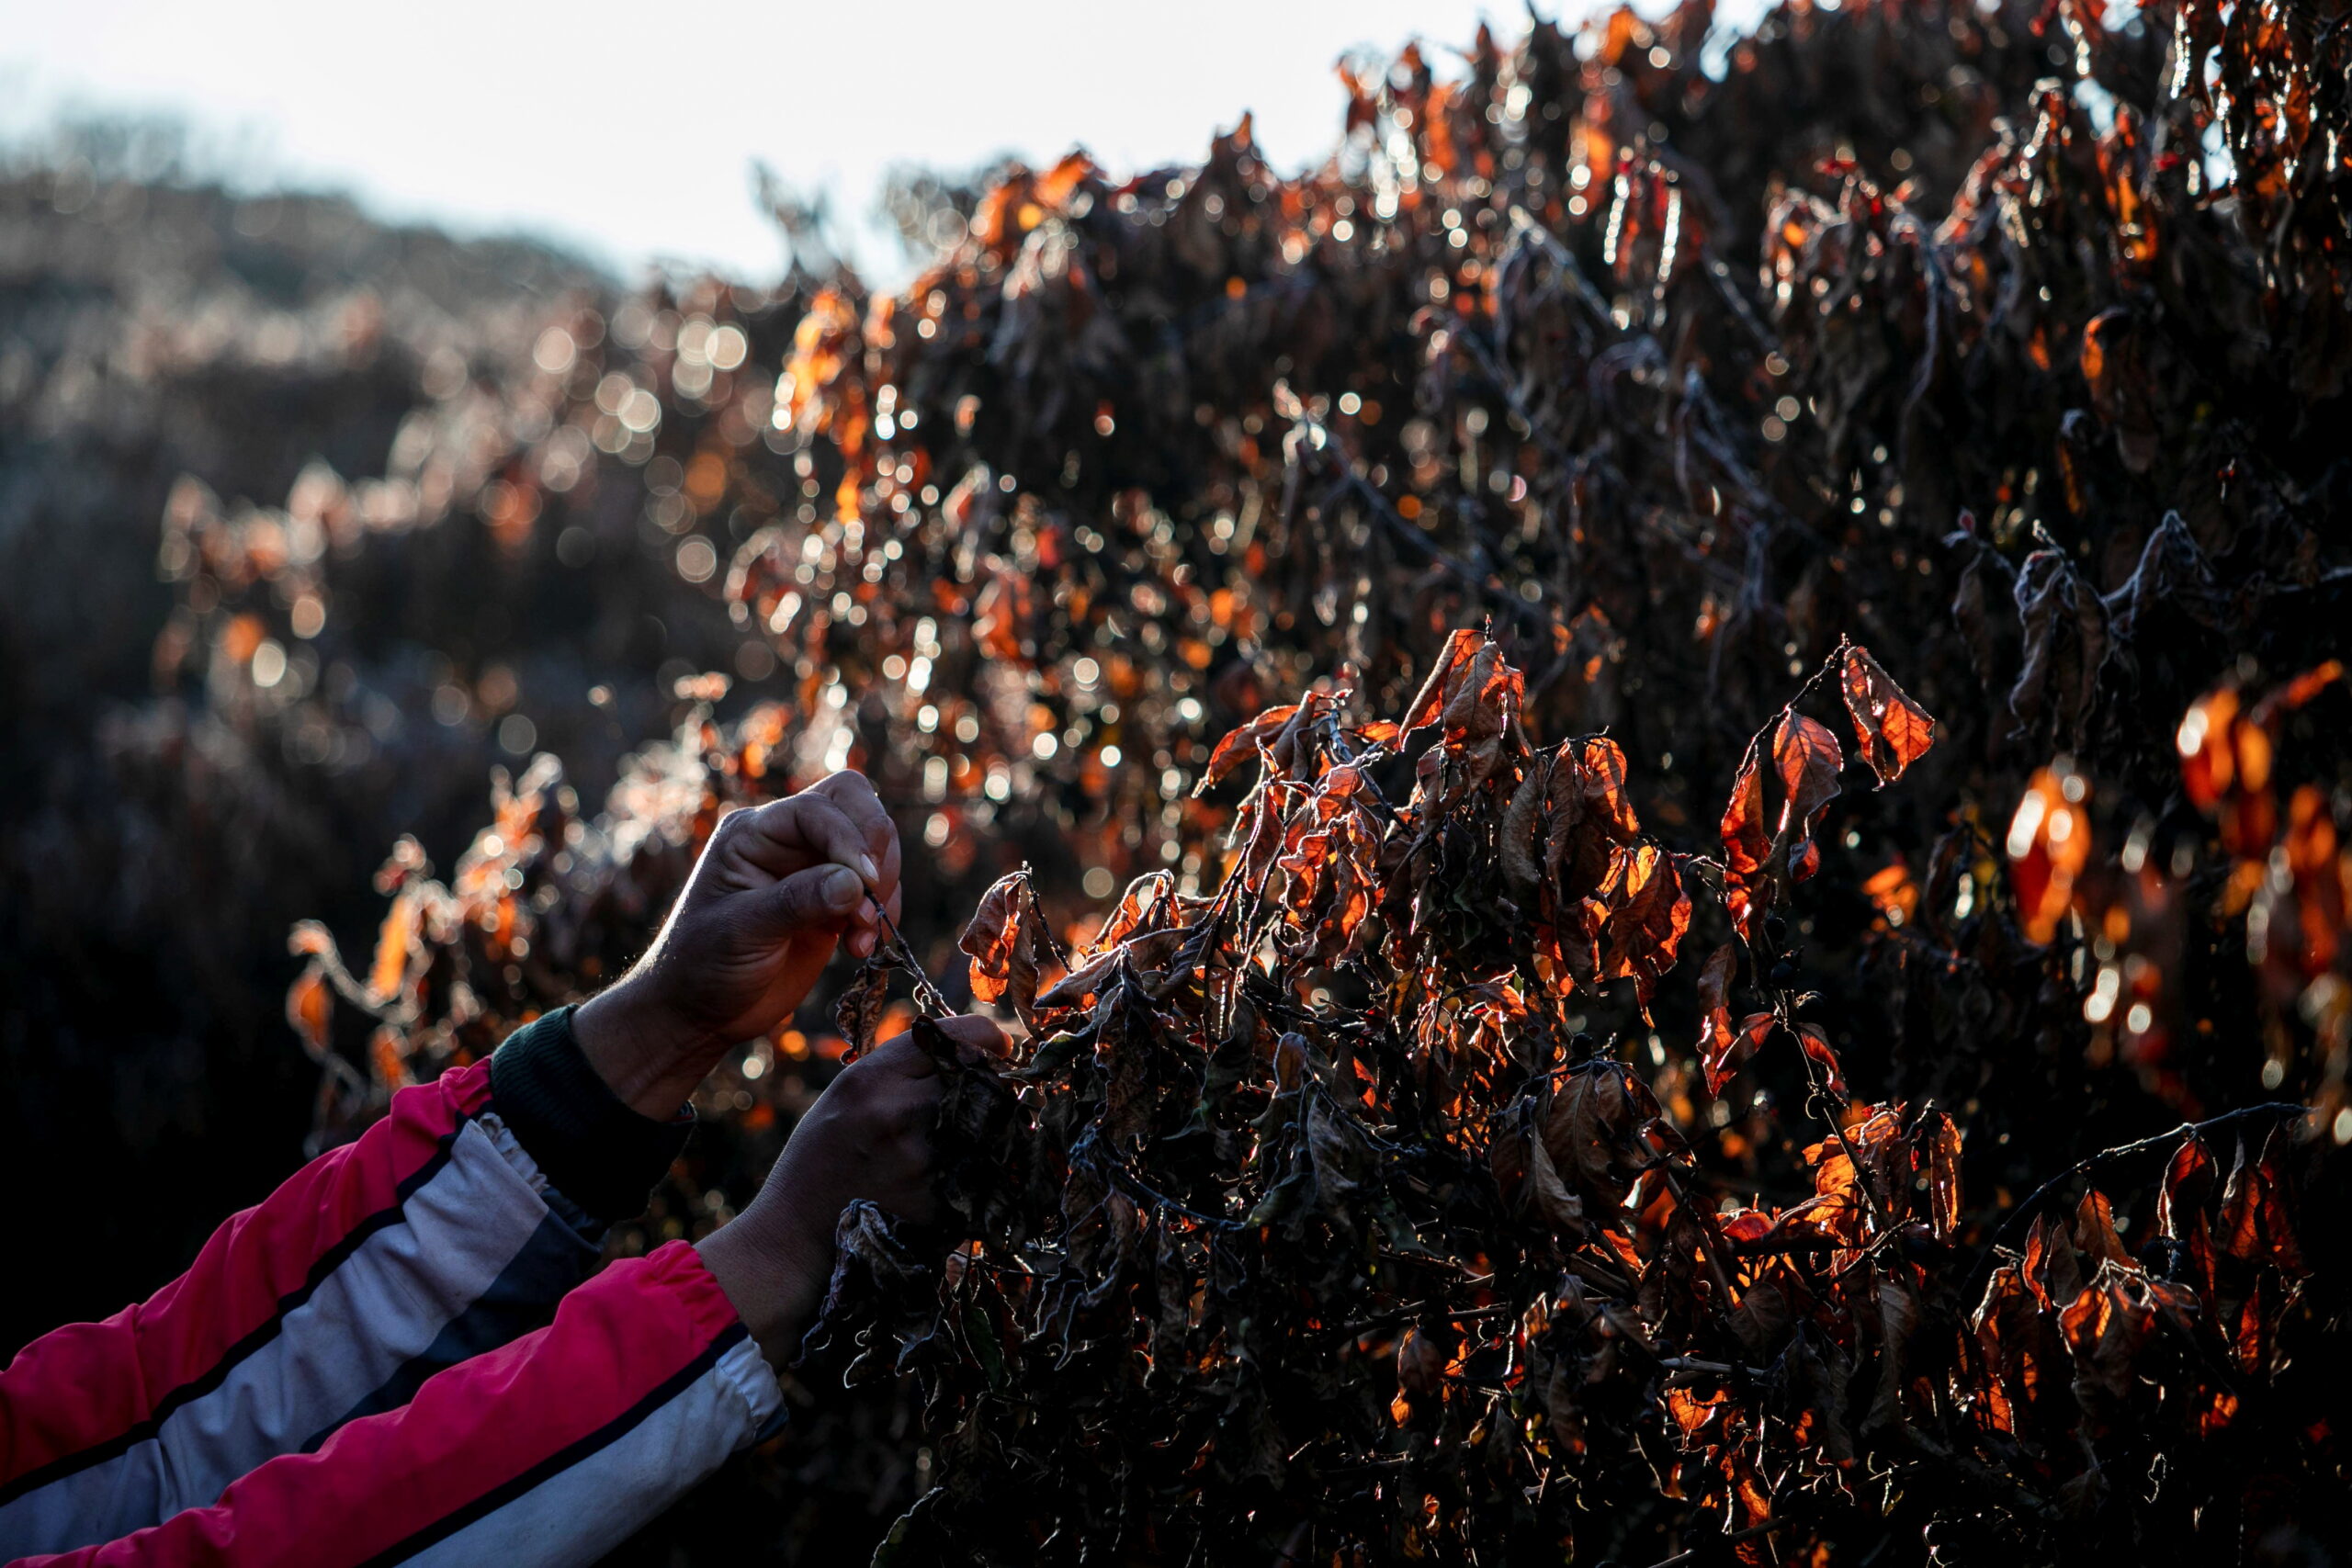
x,y
776,1277
451,1227
651,1060
550,1452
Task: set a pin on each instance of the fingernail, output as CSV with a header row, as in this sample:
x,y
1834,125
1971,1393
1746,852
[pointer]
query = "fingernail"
x,y
862,944
867,868
843,889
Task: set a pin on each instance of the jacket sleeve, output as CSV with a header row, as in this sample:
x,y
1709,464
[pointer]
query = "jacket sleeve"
x,y
450,1227
550,1450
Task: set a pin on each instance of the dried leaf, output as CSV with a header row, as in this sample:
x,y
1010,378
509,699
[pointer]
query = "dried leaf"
x,y
1717,1039
863,1003
1816,1049
1892,730
1806,758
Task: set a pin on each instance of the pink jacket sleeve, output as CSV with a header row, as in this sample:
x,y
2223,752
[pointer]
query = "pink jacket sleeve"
x,y
431,1239
550,1450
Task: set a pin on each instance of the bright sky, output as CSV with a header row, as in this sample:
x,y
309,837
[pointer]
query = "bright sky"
x,y
628,131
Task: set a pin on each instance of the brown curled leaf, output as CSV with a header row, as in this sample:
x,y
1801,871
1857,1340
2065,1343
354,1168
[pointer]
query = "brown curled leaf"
x,y
1817,1050
1003,938
1747,845
863,1003
1806,759
1892,730
1240,746
1716,1036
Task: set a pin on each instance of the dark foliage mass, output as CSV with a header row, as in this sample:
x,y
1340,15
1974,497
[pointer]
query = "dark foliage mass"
x,y
1535,1045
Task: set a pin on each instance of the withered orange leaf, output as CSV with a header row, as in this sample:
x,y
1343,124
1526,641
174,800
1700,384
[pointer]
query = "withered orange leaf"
x,y
1002,940
1240,746
863,1003
1723,1044
1648,912
1806,759
1602,764
2298,691
1443,679
1717,1039
1747,843
1817,1048
1893,732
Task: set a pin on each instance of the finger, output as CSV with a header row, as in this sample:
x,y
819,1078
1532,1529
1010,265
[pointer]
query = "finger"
x,y
853,793
823,898
901,1055
976,1039
781,837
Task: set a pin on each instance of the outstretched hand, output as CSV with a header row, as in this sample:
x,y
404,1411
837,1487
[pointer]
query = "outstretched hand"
x,y
868,1136
778,888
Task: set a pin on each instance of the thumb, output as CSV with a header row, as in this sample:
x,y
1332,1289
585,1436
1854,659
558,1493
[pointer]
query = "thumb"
x,y
821,898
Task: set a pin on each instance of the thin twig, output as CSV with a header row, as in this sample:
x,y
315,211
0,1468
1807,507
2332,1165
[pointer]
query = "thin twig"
x,y
1710,1369
2090,1162
930,998
1419,1313
1690,1554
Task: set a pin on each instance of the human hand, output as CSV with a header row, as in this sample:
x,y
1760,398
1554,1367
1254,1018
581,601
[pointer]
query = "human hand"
x,y
868,1136
778,887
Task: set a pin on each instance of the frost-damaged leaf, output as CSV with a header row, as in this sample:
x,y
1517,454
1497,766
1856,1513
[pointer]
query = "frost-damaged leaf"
x,y
2066,643
993,935
1481,699
863,1001
2188,1182
1240,746
978,1145
1515,843
402,925
1806,758
1747,845
1893,732
1937,1156
1648,912
1803,776
1431,701
1002,938
1343,1161
875,1271
1422,1354
1721,1047
2254,1221
1817,1048
1603,776
1548,1196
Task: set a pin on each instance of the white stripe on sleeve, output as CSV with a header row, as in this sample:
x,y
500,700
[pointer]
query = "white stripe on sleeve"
x,y
381,1306
580,1513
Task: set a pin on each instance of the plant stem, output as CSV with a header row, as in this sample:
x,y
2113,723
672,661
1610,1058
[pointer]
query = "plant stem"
x,y
930,998
1982,1271
1690,1554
